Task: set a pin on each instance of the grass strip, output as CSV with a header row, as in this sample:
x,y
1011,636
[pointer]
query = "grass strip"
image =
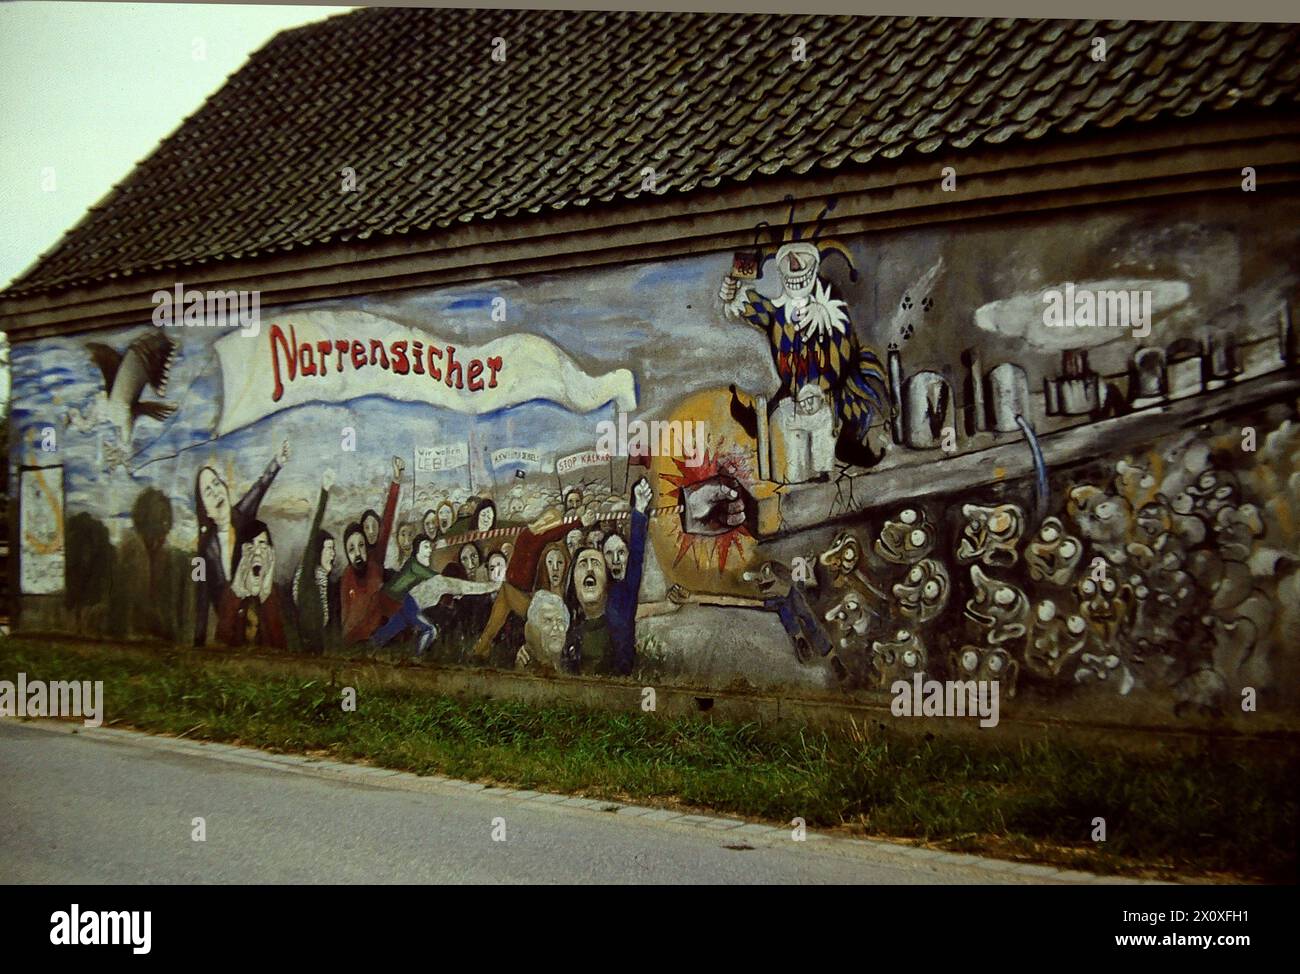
x,y
1210,811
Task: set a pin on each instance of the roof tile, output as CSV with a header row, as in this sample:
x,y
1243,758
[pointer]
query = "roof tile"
x,y
585,101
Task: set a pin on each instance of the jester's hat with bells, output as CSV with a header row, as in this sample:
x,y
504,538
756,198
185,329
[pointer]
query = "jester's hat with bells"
x,y
799,251
748,264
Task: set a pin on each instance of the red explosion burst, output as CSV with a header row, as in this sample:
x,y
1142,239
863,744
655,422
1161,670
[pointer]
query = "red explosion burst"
x,y
734,464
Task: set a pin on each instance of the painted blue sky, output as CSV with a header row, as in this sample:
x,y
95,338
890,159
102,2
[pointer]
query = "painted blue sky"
x,y
646,318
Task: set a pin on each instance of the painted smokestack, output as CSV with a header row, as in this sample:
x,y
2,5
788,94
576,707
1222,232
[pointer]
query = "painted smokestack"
x,y
896,392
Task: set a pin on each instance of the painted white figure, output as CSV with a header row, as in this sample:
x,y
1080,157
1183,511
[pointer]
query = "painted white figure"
x,y
806,426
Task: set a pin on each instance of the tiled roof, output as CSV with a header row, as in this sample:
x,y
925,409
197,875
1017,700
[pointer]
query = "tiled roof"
x,y
440,134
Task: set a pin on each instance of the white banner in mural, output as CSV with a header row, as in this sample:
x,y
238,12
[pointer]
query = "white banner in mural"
x,y
337,356
40,556
514,455
581,461
434,458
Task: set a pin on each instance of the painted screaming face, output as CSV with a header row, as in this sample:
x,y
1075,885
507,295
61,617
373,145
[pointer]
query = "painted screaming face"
x,y
923,594
1053,555
497,567
215,495
991,534
615,552
259,556
906,539
797,264
590,581
445,517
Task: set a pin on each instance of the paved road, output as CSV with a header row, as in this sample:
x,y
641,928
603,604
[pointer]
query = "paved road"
x,y
112,807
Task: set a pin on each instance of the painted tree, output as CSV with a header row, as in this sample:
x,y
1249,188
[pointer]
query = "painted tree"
x,y
89,561
152,518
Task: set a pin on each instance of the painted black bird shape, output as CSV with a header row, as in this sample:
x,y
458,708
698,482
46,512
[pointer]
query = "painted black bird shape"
x,y
146,361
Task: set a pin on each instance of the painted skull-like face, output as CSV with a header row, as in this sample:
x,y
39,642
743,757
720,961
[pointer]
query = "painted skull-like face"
x,y
991,534
769,578
1104,666
1057,639
1214,490
1102,518
1104,604
989,664
851,617
1053,555
1153,521
923,594
899,658
1235,530
797,264
906,539
844,555
996,610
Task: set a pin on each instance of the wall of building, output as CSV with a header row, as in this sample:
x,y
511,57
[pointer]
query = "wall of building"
x,y
849,500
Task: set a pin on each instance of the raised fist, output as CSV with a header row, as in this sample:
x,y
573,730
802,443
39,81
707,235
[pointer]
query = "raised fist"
x,y
398,466
641,495
713,507
730,288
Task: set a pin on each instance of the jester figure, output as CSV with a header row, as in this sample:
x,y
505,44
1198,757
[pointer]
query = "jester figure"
x,y
811,340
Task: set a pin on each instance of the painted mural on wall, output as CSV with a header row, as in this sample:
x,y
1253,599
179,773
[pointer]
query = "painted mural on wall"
x,y
40,530
814,463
